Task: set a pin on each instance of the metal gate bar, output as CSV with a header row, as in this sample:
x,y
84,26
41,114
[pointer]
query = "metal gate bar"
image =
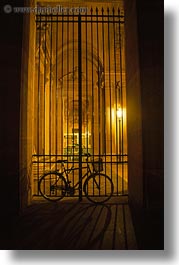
x,y
121,96
80,106
79,96
116,98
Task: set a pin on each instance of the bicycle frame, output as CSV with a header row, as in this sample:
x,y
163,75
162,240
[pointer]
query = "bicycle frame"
x,y
91,183
68,171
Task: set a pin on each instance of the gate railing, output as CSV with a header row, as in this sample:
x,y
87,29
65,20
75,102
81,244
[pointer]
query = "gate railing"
x,y
115,166
80,95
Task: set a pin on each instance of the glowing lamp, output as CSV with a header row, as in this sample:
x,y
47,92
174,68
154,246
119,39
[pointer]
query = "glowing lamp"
x,y
119,113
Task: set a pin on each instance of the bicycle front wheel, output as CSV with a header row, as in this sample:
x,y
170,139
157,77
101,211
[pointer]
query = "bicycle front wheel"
x,y
98,188
52,186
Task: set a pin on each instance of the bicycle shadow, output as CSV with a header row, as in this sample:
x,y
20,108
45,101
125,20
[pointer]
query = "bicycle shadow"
x,y
63,226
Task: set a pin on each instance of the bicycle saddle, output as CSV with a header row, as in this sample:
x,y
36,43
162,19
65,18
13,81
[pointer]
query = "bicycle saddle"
x,y
61,161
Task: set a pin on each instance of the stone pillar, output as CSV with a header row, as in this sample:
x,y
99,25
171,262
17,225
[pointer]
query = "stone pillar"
x,y
26,124
11,50
134,107
144,72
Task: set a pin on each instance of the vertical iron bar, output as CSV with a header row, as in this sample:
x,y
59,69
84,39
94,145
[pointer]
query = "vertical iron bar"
x,y
38,104
117,147
104,100
92,85
80,106
109,74
55,102
73,39
44,101
56,98
62,92
121,97
87,100
50,99
104,91
98,87
97,44
67,85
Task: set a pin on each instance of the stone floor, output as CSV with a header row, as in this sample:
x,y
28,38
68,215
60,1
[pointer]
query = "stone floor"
x,y
69,224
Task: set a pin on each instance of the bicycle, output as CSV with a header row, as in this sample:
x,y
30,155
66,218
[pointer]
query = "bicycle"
x,y
98,187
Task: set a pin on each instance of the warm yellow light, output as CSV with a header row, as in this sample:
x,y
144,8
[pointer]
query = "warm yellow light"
x,y
119,113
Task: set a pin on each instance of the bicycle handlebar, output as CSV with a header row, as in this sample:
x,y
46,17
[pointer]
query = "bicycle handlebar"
x,y
61,161
64,161
87,154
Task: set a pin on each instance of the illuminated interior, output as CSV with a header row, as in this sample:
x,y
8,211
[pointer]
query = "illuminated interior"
x,y
54,101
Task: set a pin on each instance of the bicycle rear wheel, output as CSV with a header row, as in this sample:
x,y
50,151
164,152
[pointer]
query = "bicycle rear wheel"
x,y
52,186
98,188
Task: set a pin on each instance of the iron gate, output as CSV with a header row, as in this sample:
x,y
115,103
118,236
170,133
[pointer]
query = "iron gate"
x,y
80,95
